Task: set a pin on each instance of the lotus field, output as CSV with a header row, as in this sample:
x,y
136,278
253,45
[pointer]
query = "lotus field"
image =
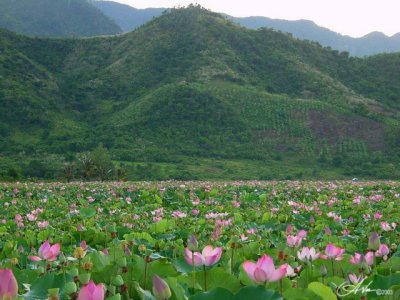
x,y
200,240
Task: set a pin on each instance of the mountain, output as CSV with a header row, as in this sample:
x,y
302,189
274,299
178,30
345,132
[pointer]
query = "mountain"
x,y
75,18
55,18
129,18
193,95
373,43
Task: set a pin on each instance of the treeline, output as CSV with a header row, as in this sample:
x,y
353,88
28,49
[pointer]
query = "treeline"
x,y
91,165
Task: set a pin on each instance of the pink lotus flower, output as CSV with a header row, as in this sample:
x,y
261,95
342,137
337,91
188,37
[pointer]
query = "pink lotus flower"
x,y
333,252
31,217
264,270
236,203
307,254
382,251
386,226
91,292
302,234
161,290
178,214
83,245
8,285
47,252
157,219
293,241
369,258
208,257
345,232
43,224
358,258
354,279
290,272
289,229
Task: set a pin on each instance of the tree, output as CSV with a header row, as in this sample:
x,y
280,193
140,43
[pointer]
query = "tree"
x,y
69,171
121,172
86,164
102,163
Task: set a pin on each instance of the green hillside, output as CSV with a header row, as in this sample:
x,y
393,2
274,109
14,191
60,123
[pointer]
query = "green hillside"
x,y
55,18
130,18
192,95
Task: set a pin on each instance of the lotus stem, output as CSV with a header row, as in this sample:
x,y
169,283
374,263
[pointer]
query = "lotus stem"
x,y
205,277
194,273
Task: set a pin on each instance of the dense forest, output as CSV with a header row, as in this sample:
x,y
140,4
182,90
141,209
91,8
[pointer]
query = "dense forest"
x,y
192,95
55,18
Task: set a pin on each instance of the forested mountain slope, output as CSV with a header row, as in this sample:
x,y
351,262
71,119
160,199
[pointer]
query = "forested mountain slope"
x,y
190,87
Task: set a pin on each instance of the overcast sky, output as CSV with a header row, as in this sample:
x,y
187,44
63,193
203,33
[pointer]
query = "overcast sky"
x,y
351,17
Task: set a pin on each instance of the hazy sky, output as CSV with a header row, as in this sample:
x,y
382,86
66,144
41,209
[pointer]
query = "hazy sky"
x,y
351,17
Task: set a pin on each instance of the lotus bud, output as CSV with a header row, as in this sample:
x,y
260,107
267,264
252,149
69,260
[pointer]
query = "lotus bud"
x,y
62,258
193,244
91,292
161,290
373,242
323,271
8,285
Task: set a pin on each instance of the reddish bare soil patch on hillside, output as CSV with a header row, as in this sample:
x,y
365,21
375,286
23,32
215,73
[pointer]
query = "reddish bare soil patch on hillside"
x,y
333,126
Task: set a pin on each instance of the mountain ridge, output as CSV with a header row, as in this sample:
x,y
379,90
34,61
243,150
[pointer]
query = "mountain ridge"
x,y
59,18
190,87
302,29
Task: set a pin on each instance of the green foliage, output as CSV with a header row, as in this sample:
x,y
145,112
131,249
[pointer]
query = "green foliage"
x,y
55,18
201,98
102,164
